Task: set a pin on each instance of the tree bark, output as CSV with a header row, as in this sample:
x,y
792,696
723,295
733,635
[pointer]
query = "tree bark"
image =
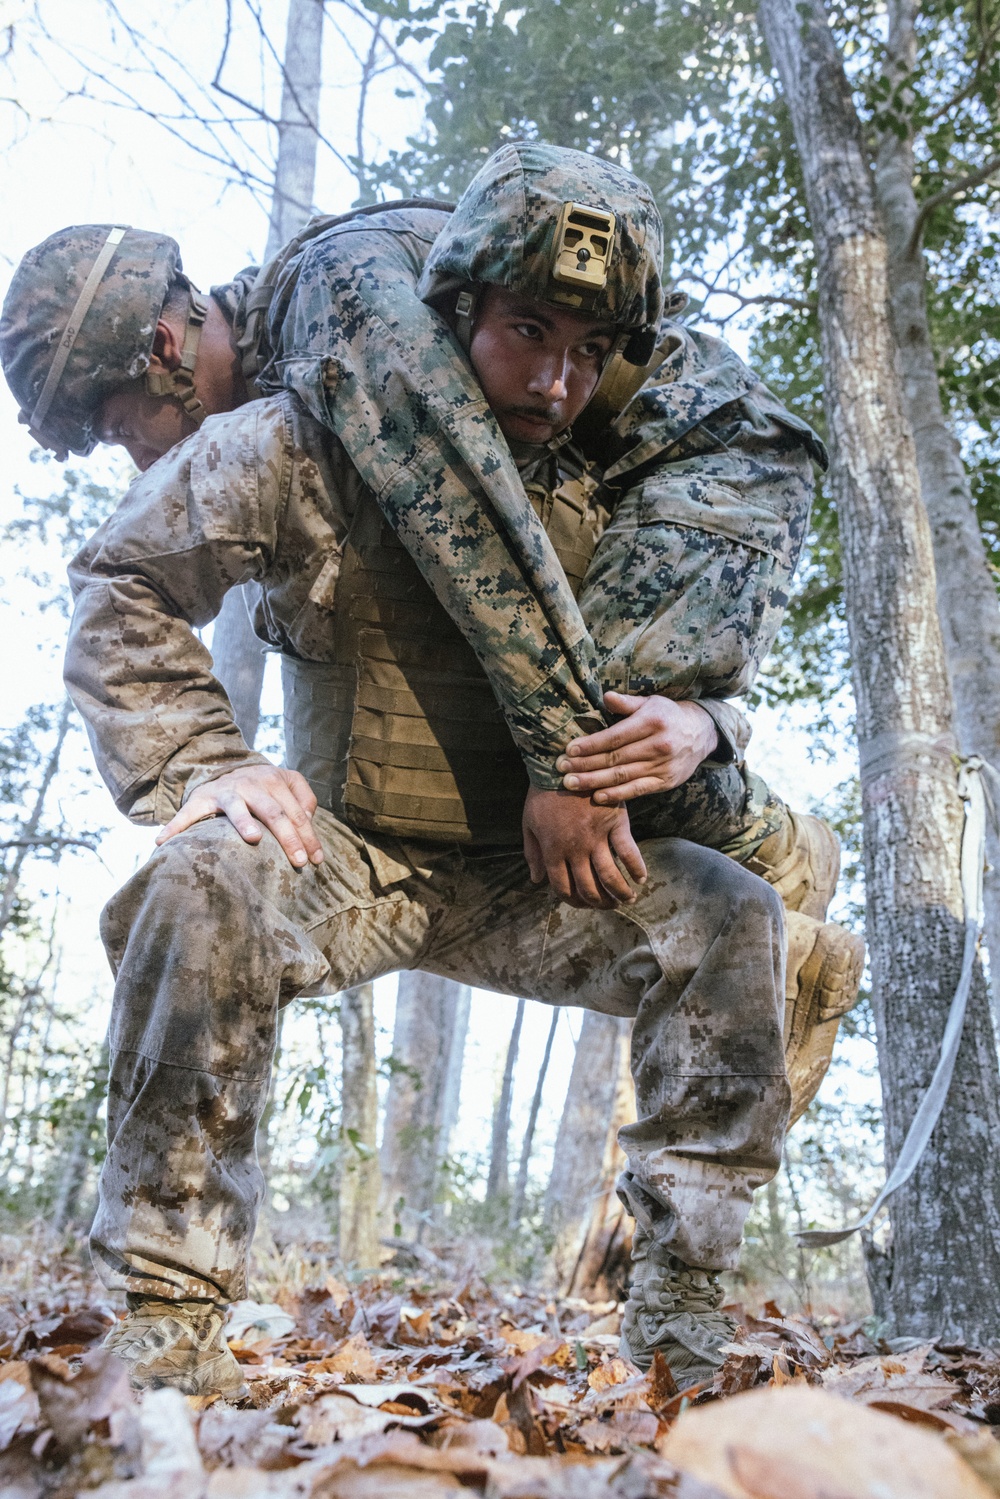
x,y
77,1158
360,1178
451,1091
238,661
428,1045
521,1185
237,654
580,1143
498,1179
946,1222
966,592
295,169
28,829
602,1268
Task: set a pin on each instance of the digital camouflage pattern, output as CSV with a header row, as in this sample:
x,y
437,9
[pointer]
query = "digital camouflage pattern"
x,y
262,494
212,935
346,331
503,233
116,338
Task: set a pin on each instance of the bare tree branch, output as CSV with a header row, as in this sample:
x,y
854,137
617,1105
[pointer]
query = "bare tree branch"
x,y
763,299
960,185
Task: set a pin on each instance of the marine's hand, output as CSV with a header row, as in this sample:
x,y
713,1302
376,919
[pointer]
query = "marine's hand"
x,y
573,844
658,744
256,797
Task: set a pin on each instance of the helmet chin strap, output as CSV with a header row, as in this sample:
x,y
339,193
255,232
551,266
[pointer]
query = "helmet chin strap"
x,y
465,316
180,382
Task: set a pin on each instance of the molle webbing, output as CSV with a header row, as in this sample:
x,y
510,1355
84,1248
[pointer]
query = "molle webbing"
x,y
568,517
430,754
405,736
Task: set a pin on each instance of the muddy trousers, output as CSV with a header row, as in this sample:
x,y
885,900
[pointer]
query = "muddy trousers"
x,y
213,935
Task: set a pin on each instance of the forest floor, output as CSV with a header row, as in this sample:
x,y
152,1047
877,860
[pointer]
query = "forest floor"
x,y
426,1379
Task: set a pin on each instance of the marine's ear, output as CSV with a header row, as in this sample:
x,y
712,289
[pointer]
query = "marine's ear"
x,y
167,348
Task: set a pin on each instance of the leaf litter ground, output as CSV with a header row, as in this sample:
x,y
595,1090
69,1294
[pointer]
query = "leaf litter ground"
x,y
421,1384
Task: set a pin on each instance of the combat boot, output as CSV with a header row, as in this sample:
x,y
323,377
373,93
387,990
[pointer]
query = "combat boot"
x,y
676,1310
179,1344
825,963
802,861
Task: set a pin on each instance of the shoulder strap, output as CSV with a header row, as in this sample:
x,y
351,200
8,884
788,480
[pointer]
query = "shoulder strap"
x,y
259,298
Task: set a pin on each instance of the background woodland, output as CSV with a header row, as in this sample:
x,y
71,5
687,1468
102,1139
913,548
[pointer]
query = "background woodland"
x,y
828,175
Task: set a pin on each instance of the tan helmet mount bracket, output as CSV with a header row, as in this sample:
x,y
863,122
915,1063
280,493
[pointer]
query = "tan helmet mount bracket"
x,y
584,240
180,382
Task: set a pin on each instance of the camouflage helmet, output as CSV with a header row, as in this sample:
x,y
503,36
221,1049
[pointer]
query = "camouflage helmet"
x,y
560,226
79,321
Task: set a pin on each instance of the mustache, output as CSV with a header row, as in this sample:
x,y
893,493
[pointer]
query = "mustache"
x,y
549,414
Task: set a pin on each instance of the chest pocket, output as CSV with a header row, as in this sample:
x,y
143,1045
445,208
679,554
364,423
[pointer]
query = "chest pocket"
x,y
690,582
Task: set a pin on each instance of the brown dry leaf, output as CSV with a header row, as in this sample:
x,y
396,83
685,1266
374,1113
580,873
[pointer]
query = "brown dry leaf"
x,y
982,1453
337,1291
661,1386
609,1326
802,1443
19,1408
747,1364
354,1357
625,1429
228,1437
380,1322
898,1381
414,1326
615,1371
86,1326
524,1342
338,1418
72,1403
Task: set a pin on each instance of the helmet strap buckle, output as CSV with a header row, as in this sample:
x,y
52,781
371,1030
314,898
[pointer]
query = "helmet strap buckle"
x,y
465,315
180,382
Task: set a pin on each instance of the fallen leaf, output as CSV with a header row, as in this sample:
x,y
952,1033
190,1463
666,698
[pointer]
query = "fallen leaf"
x,y
262,1322
354,1357
661,1386
803,1443
524,1342
19,1409
72,1403
615,1371
380,1322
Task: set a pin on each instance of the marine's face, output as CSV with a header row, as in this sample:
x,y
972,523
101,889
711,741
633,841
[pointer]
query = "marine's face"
x,y
146,426
149,426
537,364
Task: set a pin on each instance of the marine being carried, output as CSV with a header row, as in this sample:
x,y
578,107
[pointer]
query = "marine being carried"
x,y
416,525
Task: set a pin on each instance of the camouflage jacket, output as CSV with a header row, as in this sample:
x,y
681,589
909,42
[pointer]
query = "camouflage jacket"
x,y
265,494
705,449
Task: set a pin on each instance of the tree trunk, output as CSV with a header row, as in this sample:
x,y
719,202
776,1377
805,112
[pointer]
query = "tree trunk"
x,y
295,169
946,1222
602,1268
360,1178
521,1186
580,1143
966,592
498,1180
237,654
428,1043
77,1158
28,829
451,1091
238,661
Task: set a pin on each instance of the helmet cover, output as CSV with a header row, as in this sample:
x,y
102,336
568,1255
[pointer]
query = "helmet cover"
x,y
115,340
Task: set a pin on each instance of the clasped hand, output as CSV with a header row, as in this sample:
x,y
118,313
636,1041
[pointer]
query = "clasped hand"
x,y
657,744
